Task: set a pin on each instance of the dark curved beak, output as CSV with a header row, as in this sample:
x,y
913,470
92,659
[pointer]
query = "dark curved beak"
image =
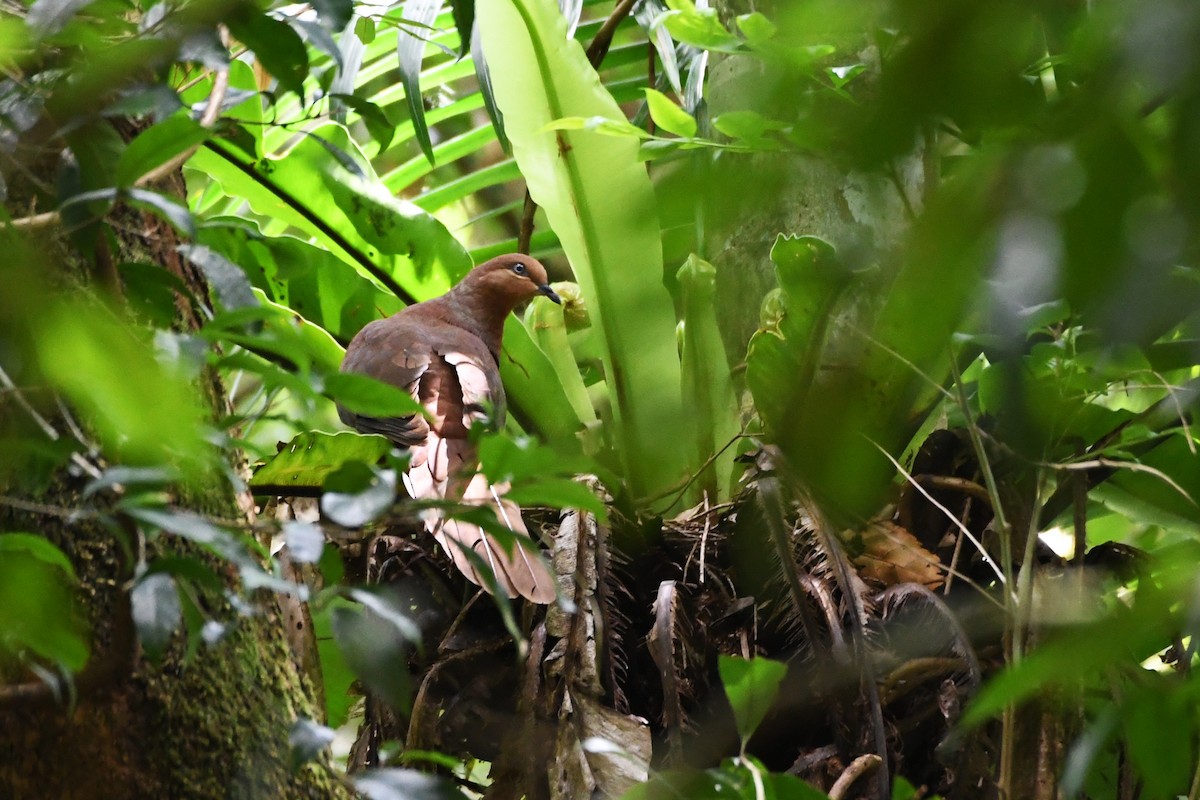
x,y
546,290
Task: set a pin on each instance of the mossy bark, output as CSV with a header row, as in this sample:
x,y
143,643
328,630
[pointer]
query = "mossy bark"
x,y
203,724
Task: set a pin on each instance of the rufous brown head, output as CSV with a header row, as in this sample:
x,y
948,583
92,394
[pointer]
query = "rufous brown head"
x,y
509,280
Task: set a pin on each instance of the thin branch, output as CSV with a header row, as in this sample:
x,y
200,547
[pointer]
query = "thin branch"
x,y
987,559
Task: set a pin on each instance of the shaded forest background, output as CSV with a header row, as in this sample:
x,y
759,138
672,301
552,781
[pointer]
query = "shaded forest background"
x,y
862,445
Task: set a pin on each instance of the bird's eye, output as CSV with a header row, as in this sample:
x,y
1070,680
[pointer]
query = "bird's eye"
x,y
519,268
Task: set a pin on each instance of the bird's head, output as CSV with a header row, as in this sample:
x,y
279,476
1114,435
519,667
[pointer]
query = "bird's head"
x,y
510,280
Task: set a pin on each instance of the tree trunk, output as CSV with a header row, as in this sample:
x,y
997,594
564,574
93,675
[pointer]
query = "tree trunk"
x,y
213,723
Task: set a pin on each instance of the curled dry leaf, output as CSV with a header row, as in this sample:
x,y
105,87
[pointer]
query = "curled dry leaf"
x,y
892,555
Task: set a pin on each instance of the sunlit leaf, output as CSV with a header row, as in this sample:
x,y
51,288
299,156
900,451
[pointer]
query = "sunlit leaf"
x,y
669,116
310,457
614,248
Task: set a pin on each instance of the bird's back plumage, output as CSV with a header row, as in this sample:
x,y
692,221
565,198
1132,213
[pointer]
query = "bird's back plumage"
x,y
446,358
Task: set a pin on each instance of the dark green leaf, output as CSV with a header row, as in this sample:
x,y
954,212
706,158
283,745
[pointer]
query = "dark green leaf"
x,y
365,395
165,207
334,14
557,493
483,76
464,22
751,686
378,125
376,653
1164,762
410,50
381,601
226,278
276,46
156,612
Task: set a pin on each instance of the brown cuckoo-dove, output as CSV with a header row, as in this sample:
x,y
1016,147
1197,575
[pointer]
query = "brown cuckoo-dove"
x,y
445,352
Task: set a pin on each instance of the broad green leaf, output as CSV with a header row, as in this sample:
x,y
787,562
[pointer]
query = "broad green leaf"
x,y
535,396
668,116
276,46
39,547
613,245
144,410
545,322
1163,762
392,242
376,652
751,686
311,457
609,127
336,675
557,493
37,608
1125,635
303,277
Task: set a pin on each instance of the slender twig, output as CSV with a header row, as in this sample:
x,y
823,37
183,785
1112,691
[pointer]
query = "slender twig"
x,y
858,767
46,427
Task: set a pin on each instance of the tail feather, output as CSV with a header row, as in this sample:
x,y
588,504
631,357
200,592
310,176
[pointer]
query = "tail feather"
x,y
519,572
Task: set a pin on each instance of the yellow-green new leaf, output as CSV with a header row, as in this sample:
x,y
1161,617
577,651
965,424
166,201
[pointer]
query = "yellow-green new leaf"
x,y
668,116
